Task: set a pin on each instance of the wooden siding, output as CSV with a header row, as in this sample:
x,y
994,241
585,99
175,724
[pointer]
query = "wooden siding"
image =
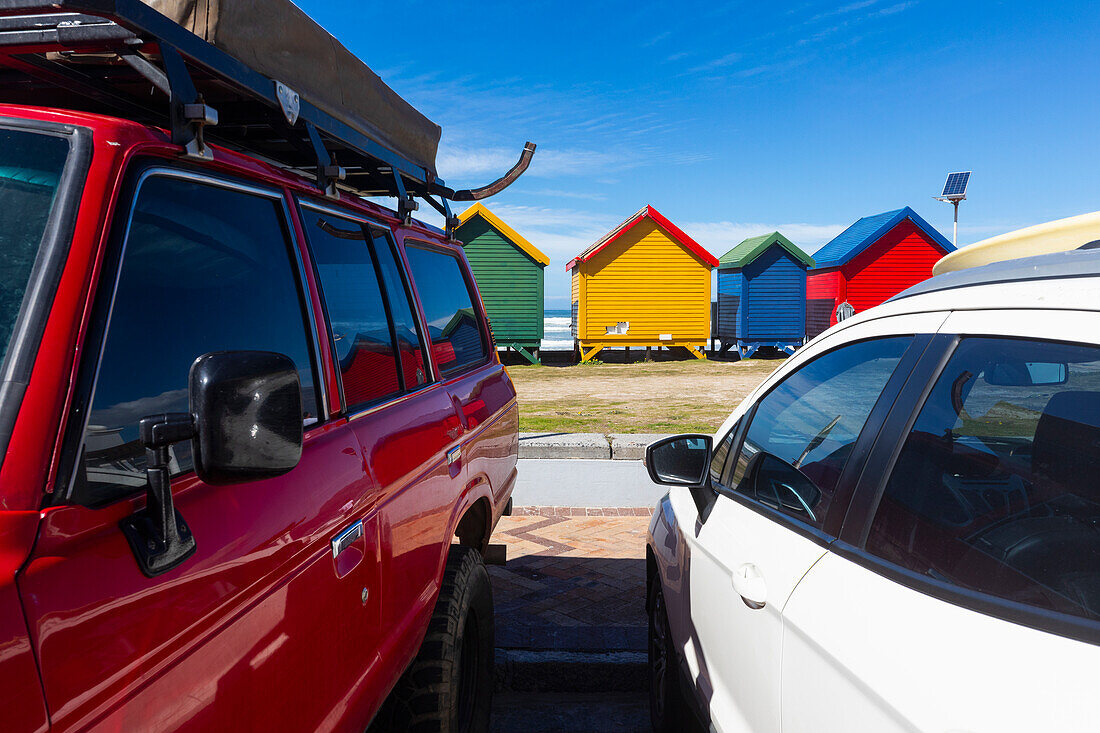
x,y
822,289
730,285
649,280
904,256
510,282
776,294
575,301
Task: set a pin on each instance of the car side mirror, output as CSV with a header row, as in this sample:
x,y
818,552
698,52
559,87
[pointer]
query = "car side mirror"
x,y
248,414
245,424
682,460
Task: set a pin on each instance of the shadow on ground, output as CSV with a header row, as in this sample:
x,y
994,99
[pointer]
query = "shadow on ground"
x,y
550,602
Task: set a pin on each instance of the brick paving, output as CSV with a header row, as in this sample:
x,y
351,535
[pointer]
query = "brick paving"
x,y
575,579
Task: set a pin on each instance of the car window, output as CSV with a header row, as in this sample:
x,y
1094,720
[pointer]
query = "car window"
x,y
722,455
448,309
30,169
360,328
205,269
996,488
410,344
803,430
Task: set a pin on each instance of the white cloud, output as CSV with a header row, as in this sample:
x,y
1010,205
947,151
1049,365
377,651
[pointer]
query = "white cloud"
x,y
844,10
891,10
728,60
657,39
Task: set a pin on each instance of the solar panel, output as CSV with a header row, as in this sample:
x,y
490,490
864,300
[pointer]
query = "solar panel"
x,y
956,184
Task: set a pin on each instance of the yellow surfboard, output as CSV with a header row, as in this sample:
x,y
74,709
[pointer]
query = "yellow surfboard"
x,y
1060,235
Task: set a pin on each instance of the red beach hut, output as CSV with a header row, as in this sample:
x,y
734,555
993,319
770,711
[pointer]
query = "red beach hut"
x,y
868,263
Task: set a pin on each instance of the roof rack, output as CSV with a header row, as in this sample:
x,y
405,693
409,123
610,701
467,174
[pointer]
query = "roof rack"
x,y
210,96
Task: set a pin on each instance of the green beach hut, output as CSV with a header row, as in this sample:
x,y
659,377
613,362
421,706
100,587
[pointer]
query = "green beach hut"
x,y
509,274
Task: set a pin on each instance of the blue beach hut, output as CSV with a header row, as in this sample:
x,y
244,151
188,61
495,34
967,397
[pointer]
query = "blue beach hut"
x,y
762,295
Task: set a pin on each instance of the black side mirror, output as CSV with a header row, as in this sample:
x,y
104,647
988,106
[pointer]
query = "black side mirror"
x,y
245,424
682,460
248,412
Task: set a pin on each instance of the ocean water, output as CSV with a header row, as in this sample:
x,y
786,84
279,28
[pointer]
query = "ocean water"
x,y
556,334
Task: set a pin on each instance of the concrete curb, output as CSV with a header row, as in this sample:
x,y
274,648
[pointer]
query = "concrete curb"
x,y
522,670
615,446
631,447
564,445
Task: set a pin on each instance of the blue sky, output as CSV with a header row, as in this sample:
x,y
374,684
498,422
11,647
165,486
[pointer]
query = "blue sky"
x,y
738,118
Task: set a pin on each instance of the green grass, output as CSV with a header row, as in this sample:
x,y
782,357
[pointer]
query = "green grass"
x,y
656,397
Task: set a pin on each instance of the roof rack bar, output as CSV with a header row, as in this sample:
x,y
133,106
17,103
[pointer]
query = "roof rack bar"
x,y
188,113
77,81
443,206
476,194
143,66
327,172
406,204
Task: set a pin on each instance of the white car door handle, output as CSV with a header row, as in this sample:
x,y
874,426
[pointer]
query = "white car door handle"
x,y
749,583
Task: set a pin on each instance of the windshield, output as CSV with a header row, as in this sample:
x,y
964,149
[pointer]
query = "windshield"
x,y
30,167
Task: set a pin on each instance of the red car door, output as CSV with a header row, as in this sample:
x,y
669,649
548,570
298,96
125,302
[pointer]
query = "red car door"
x,y
263,627
479,387
402,416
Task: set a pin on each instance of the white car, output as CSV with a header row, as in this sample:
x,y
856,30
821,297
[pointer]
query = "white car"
x,y
899,530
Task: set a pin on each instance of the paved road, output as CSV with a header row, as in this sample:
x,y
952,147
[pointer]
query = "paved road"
x,y
580,482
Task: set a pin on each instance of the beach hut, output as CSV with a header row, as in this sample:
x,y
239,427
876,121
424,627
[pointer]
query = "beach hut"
x,y
645,283
868,263
509,271
762,295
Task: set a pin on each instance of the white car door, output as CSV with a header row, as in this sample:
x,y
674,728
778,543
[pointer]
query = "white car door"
x,y
967,597
767,525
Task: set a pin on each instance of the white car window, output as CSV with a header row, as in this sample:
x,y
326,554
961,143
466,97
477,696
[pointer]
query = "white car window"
x,y
803,430
996,488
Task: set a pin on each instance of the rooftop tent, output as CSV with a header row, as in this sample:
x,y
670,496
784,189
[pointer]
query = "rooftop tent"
x,y
868,263
762,295
645,283
509,272
259,77
274,37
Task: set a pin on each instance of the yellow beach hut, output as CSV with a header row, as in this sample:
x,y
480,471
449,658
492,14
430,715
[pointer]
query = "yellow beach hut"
x,y
645,283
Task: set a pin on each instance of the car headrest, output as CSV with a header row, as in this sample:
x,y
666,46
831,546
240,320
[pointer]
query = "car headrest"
x,y
1067,442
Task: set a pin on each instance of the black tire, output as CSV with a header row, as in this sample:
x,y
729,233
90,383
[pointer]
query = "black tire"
x,y
448,688
667,710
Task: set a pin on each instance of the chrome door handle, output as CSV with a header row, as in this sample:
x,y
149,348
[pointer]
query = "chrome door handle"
x,y
347,538
454,455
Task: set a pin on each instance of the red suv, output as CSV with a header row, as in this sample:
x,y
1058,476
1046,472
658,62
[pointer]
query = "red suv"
x,y
254,441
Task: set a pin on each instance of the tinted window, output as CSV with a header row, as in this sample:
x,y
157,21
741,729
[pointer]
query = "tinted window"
x,y
721,456
405,325
448,309
997,487
205,269
357,312
30,168
803,429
